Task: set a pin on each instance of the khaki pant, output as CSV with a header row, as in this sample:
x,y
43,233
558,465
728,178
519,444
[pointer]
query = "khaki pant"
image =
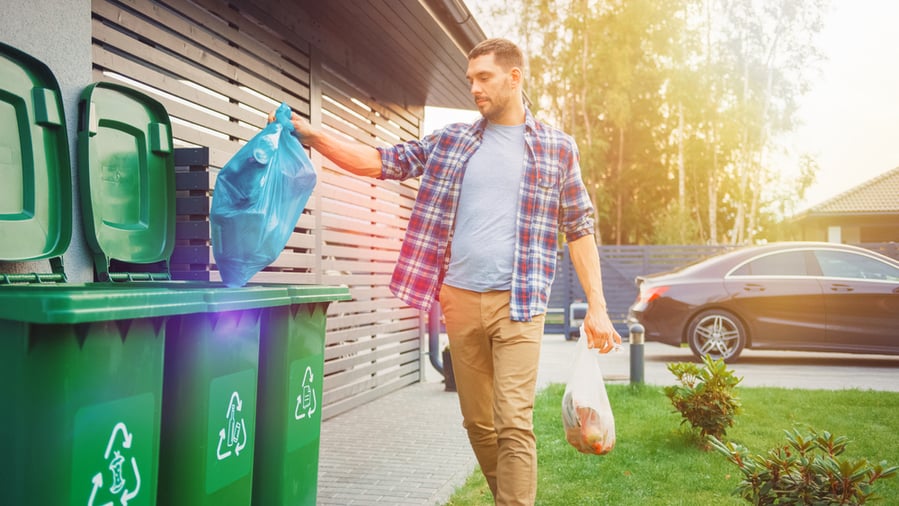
x,y
495,366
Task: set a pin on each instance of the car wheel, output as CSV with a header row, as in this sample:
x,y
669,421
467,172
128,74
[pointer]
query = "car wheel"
x,y
716,333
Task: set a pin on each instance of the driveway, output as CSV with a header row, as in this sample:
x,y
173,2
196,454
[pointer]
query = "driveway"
x,y
788,369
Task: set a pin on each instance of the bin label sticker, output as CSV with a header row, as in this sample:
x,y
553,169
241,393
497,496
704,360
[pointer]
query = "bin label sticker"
x,y
119,485
306,402
231,417
234,434
115,452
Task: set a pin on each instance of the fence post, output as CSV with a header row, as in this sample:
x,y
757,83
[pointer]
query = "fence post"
x,y
635,340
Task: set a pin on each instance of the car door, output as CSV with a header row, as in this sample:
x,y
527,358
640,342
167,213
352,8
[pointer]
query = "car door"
x,y
861,299
779,300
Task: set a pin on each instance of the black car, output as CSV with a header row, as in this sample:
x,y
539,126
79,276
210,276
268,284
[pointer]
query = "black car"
x,y
782,296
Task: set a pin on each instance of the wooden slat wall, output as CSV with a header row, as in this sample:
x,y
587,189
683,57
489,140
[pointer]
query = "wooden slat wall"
x,y
375,345
219,72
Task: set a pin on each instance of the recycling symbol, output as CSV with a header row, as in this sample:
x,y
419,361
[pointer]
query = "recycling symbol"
x,y
306,403
234,435
119,469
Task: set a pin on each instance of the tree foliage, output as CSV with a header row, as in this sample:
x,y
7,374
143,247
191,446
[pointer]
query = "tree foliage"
x,y
678,107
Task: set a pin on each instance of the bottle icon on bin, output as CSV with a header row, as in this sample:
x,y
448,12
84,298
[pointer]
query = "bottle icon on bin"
x,y
234,428
306,402
234,434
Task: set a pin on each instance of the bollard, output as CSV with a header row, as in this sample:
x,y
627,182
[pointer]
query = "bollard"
x,y
636,348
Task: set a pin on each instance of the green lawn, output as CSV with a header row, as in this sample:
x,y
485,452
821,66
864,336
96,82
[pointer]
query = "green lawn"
x,y
656,461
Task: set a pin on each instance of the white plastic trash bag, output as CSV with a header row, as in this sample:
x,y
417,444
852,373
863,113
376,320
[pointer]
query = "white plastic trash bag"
x,y
586,411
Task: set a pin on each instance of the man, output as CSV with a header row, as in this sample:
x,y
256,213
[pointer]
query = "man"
x,y
482,238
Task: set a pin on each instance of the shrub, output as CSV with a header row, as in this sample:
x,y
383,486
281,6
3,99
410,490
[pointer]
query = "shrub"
x,y
705,396
807,470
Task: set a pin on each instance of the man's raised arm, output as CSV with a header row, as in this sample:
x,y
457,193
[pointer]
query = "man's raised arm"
x,y
352,156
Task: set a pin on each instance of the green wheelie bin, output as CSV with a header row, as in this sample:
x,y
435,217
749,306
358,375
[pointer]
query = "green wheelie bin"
x,y
210,400
291,368
81,366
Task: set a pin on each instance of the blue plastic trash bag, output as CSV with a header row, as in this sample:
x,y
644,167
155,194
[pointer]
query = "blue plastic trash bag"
x,y
258,198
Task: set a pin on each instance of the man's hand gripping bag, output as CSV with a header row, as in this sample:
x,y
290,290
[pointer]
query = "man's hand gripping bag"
x,y
586,412
259,195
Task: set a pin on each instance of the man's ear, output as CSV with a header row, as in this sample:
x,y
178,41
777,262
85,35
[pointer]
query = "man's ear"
x,y
515,73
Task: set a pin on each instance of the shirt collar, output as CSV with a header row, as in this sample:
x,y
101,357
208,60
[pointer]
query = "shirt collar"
x,y
529,122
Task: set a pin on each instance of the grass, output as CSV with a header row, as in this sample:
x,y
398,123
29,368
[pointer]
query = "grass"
x,y
656,461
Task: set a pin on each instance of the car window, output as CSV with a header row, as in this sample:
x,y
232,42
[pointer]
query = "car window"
x,y
840,264
788,263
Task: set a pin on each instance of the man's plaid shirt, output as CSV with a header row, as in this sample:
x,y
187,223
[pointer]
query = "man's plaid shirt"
x,y
552,199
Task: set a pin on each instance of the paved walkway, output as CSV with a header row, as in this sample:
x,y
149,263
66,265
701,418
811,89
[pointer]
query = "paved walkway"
x,y
409,448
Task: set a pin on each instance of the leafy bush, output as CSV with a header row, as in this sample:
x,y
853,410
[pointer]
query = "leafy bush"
x,y
807,470
705,396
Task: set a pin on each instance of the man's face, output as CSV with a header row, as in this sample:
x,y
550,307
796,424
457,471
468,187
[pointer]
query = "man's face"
x,y
491,85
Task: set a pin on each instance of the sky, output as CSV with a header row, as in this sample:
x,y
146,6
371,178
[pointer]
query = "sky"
x,y
850,117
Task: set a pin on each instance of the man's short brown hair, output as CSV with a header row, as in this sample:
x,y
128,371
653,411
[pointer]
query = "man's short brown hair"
x,y
506,53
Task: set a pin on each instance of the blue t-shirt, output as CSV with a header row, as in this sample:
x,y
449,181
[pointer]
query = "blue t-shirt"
x,y
483,247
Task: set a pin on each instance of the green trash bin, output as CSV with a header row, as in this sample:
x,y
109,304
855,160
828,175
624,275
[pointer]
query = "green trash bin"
x,y
83,368
291,368
210,398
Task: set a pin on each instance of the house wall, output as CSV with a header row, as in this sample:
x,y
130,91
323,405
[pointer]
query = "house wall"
x,y
853,230
850,234
887,230
58,33
813,233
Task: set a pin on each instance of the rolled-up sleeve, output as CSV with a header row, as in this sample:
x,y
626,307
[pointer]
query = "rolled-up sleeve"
x,y
405,160
576,208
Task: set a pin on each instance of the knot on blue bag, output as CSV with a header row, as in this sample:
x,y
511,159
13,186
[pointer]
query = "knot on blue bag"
x,y
258,197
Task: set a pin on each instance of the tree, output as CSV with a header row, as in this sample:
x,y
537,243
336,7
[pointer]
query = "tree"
x,y
769,49
676,105
596,70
